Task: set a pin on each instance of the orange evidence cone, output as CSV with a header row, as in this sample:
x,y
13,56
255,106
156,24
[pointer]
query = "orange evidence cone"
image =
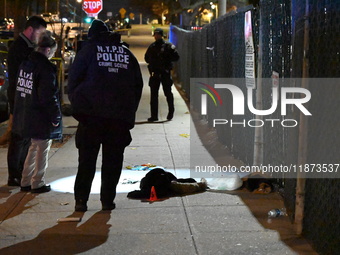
x,y
153,195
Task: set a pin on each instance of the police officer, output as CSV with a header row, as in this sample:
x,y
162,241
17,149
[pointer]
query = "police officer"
x,y
105,86
36,114
160,56
20,49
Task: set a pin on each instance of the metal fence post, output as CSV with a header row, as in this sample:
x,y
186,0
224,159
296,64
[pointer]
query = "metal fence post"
x,y
303,134
258,133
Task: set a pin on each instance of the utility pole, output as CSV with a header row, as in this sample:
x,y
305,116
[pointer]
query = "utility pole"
x,y
222,7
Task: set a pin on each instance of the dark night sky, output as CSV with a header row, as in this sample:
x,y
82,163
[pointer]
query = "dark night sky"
x,y
115,5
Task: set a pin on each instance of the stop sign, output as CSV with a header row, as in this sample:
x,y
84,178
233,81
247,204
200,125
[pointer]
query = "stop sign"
x,y
92,7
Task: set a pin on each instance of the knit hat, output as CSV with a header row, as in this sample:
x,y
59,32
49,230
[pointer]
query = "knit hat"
x,y
97,26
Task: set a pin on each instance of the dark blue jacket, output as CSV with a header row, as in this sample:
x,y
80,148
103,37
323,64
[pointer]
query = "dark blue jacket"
x,y
160,55
19,51
105,81
37,103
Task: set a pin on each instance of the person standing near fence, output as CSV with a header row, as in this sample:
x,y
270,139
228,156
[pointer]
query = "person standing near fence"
x,y
18,52
159,56
36,113
105,86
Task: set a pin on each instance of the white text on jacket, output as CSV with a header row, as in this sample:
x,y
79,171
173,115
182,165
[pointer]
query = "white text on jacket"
x,y
112,57
25,83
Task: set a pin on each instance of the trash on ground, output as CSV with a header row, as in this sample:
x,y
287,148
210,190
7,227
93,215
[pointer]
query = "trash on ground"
x,y
64,203
184,135
129,181
149,165
70,219
232,182
142,167
274,213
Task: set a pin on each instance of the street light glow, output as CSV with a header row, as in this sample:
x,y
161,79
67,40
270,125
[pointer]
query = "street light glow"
x,y
129,181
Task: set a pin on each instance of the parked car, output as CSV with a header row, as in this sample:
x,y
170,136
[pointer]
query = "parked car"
x,y
6,24
47,17
75,31
55,17
10,24
69,54
4,106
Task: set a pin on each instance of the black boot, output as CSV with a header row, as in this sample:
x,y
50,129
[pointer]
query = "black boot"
x,y
81,205
171,113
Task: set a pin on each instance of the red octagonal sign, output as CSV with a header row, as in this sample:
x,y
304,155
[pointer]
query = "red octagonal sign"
x,y
92,7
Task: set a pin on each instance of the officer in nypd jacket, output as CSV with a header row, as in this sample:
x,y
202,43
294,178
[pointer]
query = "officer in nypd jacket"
x,y
37,104
105,86
159,56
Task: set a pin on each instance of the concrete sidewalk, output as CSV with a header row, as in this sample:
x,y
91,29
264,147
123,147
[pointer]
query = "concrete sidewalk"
x,y
207,223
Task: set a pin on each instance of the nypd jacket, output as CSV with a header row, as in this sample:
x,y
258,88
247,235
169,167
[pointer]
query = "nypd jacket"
x,y
160,55
18,52
105,81
37,103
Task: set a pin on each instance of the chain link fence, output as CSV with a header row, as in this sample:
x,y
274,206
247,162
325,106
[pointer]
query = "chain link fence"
x,y
218,51
322,200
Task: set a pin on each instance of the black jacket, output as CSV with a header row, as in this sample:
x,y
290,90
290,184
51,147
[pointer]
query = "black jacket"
x,y
18,52
160,56
37,103
105,81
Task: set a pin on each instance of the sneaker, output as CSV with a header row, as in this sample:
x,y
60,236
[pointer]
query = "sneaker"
x,y
25,189
42,189
108,207
151,119
81,206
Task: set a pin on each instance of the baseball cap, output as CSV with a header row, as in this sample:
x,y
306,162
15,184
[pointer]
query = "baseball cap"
x,y
158,31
